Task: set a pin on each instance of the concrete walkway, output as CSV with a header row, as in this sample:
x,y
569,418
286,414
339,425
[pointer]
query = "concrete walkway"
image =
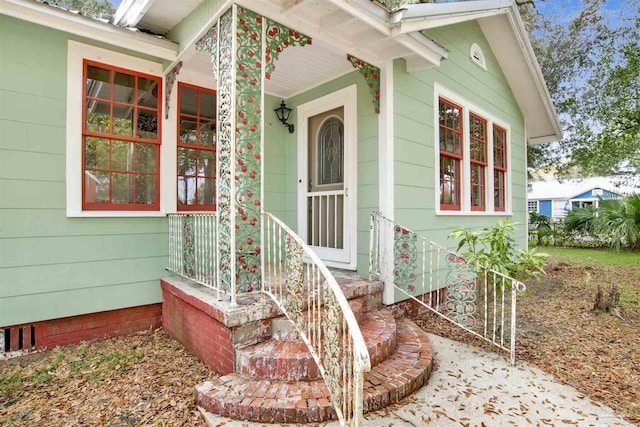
x,y
473,387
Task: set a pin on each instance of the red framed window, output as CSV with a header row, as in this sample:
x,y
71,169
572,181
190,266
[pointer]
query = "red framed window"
x,y
121,136
499,168
451,149
478,161
196,148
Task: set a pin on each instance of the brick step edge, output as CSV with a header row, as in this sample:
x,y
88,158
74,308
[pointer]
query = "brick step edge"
x,y
238,397
408,369
292,360
282,328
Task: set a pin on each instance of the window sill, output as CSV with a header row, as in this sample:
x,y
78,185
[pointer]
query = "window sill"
x,y
116,214
472,213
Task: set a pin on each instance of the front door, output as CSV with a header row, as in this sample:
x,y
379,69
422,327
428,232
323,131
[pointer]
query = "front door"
x,y
326,196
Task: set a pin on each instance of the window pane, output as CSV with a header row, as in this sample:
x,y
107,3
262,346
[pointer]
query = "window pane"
x,y
122,120
188,101
146,189
186,191
146,157
208,105
98,116
187,131
122,156
96,187
147,124
96,155
206,191
98,82
449,181
122,187
331,152
186,161
207,134
206,163
123,88
147,92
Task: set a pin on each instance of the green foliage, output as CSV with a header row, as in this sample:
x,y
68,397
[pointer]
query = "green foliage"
x,y
591,64
494,248
616,222
92,8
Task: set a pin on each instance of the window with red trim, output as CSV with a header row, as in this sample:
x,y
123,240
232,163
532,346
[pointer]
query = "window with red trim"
x,y
478,161
499,167
196,148
451,146
120,139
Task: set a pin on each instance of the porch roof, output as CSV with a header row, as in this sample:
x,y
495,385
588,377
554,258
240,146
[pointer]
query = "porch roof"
x,y
376,34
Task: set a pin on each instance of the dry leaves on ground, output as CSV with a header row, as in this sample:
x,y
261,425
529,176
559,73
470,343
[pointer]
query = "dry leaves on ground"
x,y
138,380
598,354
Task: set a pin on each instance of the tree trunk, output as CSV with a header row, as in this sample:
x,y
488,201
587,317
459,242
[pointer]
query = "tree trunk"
x,y
608,302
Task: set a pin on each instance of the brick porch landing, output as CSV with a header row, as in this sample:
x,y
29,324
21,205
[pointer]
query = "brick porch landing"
x,y
267,374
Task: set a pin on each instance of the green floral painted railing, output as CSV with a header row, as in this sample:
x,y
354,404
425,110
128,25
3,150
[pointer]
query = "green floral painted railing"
x,y
308,294
481,302
303,289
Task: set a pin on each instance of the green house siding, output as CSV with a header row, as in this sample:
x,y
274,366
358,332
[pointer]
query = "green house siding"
x,y
414,151
276,174
52,266
367,154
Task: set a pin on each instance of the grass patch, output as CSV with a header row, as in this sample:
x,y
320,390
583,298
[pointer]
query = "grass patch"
x,y
603,267
592,257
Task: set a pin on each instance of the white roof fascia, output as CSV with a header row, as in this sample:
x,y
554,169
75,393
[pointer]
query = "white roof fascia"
x,y
130,12
59,19
416,17
536,72
423,46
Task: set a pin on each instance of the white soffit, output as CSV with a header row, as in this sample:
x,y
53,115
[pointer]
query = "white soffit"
x,y
163,15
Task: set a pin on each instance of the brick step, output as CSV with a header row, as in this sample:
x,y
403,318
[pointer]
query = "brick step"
x,y
292,361
239,397
282,328
408,369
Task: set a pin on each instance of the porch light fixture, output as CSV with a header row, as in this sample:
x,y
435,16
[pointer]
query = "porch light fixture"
x,y
283,115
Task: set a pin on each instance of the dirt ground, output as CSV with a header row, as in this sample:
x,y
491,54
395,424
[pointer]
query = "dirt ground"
x,y
148,379
557,331
138,380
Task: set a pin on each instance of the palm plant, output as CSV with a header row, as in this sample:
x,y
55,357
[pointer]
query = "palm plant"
x,y
620,219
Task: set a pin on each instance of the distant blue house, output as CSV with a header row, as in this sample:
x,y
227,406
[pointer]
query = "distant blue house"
x,y
555,198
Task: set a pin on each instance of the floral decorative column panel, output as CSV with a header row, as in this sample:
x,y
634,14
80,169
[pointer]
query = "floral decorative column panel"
x,y
169,81
405,256
243,47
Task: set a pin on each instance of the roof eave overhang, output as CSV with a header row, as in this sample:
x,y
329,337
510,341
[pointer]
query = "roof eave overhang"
x,y
530,88
59,19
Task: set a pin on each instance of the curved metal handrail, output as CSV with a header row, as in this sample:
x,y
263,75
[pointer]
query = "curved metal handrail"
x,y
295,289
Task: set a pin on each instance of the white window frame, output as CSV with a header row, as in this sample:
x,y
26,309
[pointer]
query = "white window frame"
x,y
440,91
76,54
537,206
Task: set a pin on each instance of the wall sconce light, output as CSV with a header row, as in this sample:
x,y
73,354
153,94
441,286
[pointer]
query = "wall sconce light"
x,y
283,115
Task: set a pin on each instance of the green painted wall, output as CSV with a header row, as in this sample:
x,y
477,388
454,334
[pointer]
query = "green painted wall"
x,y
414,152
367,153
276,174
52,266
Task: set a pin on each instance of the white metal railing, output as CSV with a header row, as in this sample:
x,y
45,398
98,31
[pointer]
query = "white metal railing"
x,y
481,302
308,294
326,218
303,289
193,248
